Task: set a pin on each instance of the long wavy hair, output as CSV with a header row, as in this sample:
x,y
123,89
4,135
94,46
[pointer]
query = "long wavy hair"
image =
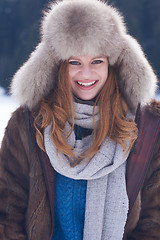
x,y
58,106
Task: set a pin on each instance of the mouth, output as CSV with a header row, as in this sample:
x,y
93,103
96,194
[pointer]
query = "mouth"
x,y
86,84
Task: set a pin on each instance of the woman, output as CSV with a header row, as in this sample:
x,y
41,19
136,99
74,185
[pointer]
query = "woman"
x,y
64,156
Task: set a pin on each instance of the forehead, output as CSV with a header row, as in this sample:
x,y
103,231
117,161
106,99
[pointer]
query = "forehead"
x,y
87,57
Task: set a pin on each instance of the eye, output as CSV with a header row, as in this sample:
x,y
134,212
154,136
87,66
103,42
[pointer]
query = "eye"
x,y
98,61
72,62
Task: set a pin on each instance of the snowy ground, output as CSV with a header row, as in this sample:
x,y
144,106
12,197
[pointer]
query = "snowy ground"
x,y
7,106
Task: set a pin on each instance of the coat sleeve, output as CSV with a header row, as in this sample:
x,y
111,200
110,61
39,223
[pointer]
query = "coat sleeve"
x,y
14,179
148,226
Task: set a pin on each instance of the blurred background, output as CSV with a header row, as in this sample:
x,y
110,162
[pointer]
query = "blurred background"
x,y
19,34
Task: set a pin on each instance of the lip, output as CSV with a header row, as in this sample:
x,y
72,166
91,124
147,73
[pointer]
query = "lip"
x,y
86,87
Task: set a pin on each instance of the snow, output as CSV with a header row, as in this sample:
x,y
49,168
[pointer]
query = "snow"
x,y
7,106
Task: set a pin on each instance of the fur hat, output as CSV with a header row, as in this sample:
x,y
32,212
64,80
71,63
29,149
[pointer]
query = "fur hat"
x,y
84,27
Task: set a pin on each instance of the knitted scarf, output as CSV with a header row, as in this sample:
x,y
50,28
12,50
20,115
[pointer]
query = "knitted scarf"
x,y
106,196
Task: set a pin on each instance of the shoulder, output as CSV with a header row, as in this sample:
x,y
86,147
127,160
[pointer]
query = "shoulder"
x,y
154,124
148,119
16,132
16,117
17,122
20,119
154,107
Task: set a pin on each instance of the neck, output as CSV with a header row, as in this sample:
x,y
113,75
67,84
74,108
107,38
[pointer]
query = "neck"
x,y
88,102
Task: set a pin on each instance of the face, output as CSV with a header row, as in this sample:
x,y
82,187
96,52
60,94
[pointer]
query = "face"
x,y
87,75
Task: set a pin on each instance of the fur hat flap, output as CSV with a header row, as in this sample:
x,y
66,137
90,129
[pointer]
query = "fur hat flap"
x,y
137,81
36,77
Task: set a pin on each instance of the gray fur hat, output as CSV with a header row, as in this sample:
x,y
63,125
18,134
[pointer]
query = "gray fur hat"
x,y
84,27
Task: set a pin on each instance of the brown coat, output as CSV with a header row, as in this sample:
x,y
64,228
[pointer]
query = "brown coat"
x,y
26,207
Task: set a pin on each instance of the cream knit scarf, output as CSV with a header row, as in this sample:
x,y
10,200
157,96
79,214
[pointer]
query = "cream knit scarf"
x,y
106,197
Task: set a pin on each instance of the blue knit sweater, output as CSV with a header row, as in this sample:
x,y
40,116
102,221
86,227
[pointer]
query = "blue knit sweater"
x,y
70,198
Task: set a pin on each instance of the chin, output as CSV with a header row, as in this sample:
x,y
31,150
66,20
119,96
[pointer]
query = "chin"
x,y
86,98
89,97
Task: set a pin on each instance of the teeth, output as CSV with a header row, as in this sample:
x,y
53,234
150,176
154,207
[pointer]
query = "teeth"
x,y
86,84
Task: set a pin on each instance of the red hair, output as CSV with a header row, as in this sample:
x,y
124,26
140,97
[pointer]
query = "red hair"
x,y
58,106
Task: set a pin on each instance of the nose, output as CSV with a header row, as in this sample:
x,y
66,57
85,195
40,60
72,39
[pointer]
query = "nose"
x,y
86,71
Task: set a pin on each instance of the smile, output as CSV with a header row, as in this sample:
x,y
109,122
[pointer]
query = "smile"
x,y
87,84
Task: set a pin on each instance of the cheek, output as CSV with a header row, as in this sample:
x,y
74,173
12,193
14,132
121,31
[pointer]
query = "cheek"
x,y
104,74
72,79
72,73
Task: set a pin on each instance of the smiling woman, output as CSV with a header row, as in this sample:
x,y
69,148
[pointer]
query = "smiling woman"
x,y
66,161
87,75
